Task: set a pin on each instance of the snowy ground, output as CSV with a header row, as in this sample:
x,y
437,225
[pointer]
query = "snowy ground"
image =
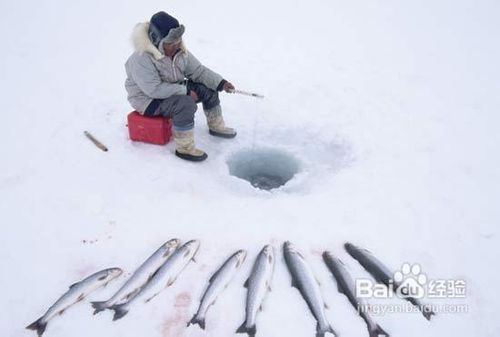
x,y
391,108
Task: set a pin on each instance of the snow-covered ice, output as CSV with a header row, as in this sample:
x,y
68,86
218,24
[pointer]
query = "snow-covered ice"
x,y
391,109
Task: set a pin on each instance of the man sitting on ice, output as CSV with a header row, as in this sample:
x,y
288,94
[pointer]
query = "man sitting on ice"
x,y
164,78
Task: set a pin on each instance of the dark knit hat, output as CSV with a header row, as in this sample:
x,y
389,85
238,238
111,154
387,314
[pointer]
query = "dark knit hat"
x,y
164,27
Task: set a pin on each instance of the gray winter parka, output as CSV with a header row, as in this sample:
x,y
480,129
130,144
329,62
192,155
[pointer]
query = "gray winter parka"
x,y
152,75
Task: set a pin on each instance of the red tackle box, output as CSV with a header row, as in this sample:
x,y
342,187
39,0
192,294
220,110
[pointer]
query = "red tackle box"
x,y
154,130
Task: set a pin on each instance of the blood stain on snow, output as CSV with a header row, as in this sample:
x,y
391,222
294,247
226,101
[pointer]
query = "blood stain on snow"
x,y
175,324
183,300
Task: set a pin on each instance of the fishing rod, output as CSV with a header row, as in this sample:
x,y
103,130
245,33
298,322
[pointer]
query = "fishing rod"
x,y
246,93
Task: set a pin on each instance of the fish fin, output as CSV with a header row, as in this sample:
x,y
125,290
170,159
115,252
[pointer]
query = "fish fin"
x,y
326,306
120,311
376,331
39,325
261,308
242,328
294,283
196,320
132,294
73,285
251,331
80,297
194,260
247,283
99,306
150,298
170,282
321,332
60,313
332,331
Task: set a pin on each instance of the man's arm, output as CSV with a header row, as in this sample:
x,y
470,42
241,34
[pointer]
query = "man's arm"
x,y
197,72
147,78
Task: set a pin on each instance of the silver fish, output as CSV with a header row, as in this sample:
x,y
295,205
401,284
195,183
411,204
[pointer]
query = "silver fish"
x,y
217,283
257,286
140,277
383,275
77,292
308,286
346,286
164,277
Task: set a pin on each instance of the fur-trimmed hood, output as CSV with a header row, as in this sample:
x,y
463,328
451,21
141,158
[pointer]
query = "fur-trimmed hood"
x,y
142,43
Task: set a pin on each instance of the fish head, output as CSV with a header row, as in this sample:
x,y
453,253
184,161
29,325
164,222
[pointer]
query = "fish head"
x,y
290,247
355,250
111,273
330,258
240,257
268,252
172,244
192,246
350,248
327,255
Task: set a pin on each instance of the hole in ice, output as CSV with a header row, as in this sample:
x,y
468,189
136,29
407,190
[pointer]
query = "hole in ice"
x,y
264,168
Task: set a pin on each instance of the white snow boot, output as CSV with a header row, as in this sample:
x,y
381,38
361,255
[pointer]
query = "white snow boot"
x,y
185,148
216,125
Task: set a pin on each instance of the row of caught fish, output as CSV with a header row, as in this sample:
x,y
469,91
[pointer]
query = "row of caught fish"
x,y
162,268
304,280
157,272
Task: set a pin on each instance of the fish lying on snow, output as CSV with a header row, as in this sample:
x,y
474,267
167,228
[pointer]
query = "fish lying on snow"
x,y
164,277
308,286
383,275
217,283
77,292
257,286
346,286
140,277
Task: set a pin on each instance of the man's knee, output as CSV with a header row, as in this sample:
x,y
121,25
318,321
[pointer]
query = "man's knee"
x,y
183,111
185,105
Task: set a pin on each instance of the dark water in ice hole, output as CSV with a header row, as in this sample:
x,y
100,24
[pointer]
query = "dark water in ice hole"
x,y
264,168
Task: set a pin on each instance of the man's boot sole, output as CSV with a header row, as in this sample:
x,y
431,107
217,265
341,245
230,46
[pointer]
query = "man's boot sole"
x,y
222,135
190,157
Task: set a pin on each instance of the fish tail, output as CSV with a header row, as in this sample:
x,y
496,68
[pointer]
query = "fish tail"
x,y
427,312
99,306
39,325
199,321
251,331
376,331
120,311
